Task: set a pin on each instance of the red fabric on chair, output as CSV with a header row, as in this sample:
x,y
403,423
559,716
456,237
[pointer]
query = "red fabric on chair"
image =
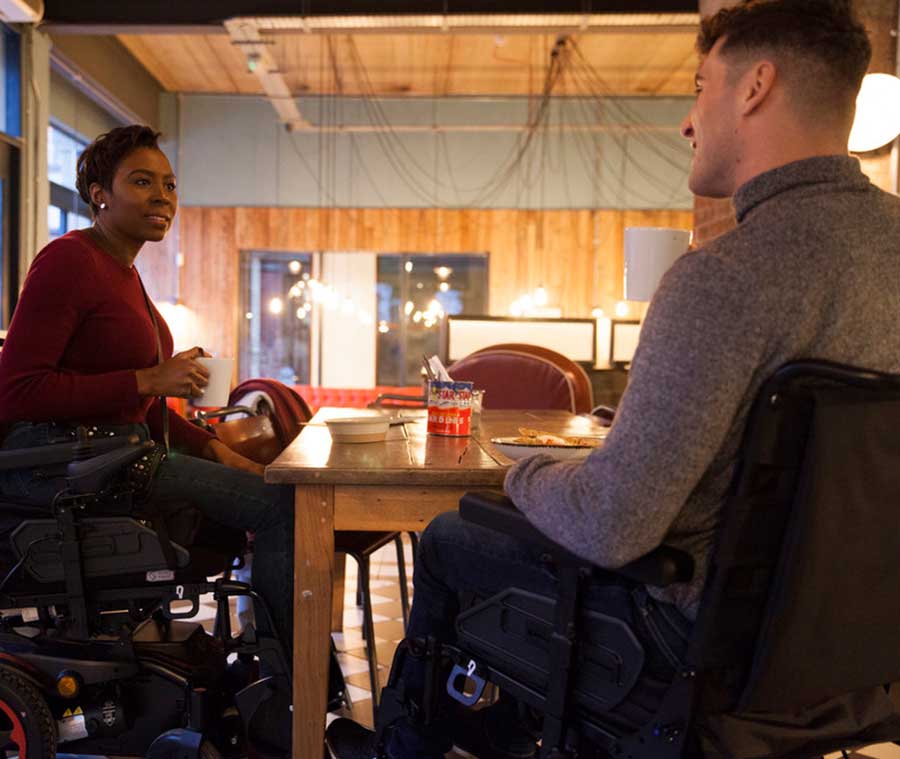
x,y
581,383
289,410
515,380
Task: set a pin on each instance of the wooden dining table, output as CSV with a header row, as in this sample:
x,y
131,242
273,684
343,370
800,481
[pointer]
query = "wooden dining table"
x,y
399,484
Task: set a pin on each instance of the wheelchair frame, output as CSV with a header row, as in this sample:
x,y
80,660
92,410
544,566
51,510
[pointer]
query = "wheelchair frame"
x,y
732,660
84,651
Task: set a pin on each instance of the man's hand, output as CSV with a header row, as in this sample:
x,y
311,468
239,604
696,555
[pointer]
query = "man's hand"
x,y
179,377
216,450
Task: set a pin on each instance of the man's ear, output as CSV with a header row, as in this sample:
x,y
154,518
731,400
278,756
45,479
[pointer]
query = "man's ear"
x,y
756,86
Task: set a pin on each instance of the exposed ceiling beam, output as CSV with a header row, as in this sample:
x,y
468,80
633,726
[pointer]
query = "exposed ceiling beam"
x,y
263,65
509,23
151,14
21,11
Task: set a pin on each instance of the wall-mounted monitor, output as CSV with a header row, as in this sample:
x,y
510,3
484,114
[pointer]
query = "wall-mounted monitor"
x,y
623,341
574,338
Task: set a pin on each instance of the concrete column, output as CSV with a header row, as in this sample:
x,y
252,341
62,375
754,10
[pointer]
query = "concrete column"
x,y
35,185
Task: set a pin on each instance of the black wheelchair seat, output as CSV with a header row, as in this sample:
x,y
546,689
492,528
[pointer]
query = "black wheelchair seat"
x,y
110,547
514,631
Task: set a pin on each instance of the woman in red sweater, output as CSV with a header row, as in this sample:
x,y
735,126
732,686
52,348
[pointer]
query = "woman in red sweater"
x,y
83,348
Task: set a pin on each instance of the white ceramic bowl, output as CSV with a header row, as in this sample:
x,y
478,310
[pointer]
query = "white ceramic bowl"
x,y
358,429
513,450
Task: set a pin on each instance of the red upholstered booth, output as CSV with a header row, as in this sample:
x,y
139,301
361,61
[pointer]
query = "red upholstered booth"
x,y
350,397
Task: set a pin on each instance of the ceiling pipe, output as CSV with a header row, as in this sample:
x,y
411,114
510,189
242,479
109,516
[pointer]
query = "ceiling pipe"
x,y
246,34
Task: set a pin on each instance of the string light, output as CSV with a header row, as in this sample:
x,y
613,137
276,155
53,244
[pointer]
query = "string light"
x,y
533,304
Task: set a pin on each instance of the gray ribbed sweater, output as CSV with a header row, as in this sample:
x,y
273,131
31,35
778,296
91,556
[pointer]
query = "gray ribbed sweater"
x,y
811,271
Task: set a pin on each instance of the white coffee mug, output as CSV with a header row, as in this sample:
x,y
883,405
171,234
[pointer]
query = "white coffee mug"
x,y
649,252
216,392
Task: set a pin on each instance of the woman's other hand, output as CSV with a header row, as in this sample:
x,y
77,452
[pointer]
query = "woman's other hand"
x,y
216,450
179,377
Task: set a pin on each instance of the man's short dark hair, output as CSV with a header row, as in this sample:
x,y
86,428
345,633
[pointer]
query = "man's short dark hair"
x,y
822,47
100,159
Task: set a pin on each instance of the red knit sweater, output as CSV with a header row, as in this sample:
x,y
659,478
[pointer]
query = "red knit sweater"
x,y
80,331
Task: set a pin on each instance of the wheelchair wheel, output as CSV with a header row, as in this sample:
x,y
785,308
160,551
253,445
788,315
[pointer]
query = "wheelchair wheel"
x,y
27,728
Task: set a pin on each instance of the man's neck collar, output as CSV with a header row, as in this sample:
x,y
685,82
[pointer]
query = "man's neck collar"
x,y
808,171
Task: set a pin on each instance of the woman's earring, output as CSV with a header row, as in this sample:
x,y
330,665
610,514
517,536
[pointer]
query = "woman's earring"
x,y
103,206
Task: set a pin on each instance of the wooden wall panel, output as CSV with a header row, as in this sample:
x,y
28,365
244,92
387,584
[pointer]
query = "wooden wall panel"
x,y
156,265
576,255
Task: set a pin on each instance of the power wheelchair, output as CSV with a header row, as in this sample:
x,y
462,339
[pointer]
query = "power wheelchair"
x,y
799,608
97,650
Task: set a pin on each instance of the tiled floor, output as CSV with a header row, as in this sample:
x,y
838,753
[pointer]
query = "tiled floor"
x,y
388,617
386,613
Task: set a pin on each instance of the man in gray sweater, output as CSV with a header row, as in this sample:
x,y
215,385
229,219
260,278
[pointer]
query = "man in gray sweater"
x,y
811,271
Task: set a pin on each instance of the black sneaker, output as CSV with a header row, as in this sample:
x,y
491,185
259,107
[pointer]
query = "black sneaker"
x,y
492,733
346,739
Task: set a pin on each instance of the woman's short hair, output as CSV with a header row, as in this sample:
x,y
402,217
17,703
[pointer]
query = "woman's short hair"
x,y
821,44
99,160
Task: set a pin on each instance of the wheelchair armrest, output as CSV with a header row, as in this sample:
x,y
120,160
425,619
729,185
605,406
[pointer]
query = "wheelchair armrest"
x,y
201,416
91,475
661,567
62,453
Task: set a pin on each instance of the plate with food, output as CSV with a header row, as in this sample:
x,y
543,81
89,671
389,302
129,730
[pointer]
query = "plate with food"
x,y
530,442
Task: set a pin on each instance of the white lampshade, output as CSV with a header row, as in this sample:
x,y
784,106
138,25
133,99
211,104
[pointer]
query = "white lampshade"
x,y
877,113
649,252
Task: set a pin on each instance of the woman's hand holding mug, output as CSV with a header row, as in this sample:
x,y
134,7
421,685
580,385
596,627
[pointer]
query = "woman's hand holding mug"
x,y
179,377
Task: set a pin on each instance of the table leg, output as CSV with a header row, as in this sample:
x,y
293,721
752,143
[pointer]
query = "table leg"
x,y
313,575
337,593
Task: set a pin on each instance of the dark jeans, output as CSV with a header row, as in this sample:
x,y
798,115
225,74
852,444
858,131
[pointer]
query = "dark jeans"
x,y
456,556
228,496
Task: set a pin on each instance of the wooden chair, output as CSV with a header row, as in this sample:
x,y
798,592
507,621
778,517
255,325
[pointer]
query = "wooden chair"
x,y
581,383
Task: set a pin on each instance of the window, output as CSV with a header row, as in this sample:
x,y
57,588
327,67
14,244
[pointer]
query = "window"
x,y
66,210
62,157
276,314
10,90
10,147
415,294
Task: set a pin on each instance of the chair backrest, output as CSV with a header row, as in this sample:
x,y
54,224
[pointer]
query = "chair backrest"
x,y
285,407
581,383
512,379
801,602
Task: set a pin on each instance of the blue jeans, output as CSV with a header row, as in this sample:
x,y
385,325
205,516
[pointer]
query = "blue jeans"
x,y
457,556
232,498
